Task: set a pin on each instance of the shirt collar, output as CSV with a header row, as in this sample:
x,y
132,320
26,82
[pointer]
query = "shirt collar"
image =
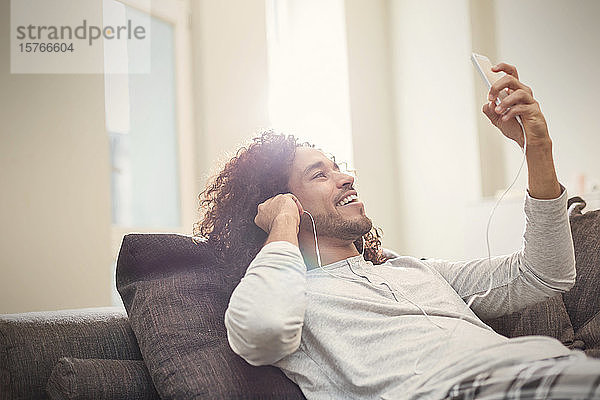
x,y
354,260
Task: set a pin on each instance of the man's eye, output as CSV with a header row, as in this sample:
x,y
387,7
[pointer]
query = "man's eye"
x,y
318,175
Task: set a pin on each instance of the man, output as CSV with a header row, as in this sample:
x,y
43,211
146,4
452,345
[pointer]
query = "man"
x,y
346,325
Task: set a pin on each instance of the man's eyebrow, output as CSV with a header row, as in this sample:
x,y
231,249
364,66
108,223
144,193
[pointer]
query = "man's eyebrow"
x,y
319,164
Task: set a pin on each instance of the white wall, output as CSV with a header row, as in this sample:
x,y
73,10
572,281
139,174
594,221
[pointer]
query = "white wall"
x,y
371,107
229,43
450,157
55,174
436,133
492,145
555,47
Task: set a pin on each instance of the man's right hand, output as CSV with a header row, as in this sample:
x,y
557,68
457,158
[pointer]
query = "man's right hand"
x,y
283,209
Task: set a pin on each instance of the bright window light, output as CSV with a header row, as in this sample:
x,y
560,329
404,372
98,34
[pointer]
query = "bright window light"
x,y
140,121
308,73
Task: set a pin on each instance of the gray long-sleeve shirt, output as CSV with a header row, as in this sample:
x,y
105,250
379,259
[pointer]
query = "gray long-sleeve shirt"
x,y
409,333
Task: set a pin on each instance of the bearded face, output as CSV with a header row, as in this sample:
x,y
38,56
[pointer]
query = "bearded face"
x,y
328,194
337,226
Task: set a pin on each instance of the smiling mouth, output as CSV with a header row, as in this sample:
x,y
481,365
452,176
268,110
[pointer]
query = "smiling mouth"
x,y
352,198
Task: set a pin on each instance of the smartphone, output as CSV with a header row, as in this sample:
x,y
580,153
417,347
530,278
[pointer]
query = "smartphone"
x,y
484,66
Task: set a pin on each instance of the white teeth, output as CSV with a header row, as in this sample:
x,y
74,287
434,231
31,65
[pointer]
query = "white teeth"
x,y
347,200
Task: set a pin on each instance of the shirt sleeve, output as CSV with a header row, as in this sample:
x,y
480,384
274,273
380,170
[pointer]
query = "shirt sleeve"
x,y
265,315
542,268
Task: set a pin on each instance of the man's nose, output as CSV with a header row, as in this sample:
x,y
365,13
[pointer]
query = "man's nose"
x,y
345,180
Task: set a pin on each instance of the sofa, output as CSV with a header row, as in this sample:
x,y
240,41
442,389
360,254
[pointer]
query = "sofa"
x,y
169,341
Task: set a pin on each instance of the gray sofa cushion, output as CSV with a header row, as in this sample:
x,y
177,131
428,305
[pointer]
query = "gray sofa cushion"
x,y
32,343
583,301
548,318
74,378
588,337
176,295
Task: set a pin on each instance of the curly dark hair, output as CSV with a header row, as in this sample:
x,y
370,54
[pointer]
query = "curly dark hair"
x,y
230,200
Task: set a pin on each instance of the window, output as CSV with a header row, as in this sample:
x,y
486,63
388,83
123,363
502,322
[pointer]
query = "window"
x,y
140,116
149,123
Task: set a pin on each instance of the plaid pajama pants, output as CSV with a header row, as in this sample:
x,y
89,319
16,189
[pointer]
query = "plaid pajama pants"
x,y
566,378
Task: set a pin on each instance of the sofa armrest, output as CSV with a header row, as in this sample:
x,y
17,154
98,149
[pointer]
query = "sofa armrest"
x,y
31,344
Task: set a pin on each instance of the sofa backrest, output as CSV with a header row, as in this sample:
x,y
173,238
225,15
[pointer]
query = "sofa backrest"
x,y
31,344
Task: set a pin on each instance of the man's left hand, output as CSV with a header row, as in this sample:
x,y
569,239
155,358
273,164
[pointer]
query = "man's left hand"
x,y
520,101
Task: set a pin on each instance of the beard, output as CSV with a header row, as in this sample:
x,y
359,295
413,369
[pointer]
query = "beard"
x,y
335,226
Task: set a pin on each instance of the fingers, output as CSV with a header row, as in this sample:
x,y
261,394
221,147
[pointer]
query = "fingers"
x,y
519,96
514,108
300,208
293,197
507,82
504,67
278,205
519,109
488,110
